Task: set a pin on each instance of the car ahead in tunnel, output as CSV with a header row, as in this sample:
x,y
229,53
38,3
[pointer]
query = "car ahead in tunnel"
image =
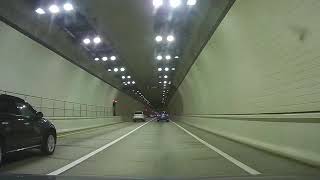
x,y
139,115
163,116
22,127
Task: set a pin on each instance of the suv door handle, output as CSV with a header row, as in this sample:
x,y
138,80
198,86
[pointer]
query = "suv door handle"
x,y
5,123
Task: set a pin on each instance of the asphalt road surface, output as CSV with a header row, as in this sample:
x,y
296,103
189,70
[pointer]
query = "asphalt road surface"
x,y
152,149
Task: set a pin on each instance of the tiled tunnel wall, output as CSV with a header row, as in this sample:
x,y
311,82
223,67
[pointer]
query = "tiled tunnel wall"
x,y
263,58
28,68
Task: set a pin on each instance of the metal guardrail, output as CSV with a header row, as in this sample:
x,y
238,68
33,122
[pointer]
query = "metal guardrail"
x,y
60,108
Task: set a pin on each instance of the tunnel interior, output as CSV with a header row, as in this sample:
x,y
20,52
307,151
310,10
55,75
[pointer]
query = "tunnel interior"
x,y
160,89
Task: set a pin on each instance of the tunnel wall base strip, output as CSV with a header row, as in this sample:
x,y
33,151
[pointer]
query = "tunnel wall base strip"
x,y
300,154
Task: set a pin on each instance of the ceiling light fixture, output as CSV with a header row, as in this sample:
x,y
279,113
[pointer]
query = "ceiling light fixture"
x,y
191,2
68,7
109,70
104,58
176,57
175,3
133,82
123,77
97,40
159,69
122,69
173,69
170,38
54,9
159,57
40,11
165,76
158,38
166,69
113,58
157,3
86,41
96,59
115,69
128,77
168,57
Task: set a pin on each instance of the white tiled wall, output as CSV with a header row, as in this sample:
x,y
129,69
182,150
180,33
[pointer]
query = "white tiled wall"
x,y
264,57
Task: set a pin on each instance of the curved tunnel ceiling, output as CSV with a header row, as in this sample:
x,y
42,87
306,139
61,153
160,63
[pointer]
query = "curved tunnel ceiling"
x,y
130,28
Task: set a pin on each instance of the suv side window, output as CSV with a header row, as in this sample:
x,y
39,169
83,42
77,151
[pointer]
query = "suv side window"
x,y
4,106
25,109
7,106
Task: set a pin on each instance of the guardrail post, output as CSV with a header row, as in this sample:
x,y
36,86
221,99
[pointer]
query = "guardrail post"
x,y
41,104
64,108
86,110
72,109
53,108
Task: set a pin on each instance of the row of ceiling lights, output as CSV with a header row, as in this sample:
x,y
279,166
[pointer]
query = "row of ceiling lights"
x,y
169,39
54,9
167,57
95,40
137,92
68,7
165,76
116,69
127,82
166,69
105,58
173,3
165,82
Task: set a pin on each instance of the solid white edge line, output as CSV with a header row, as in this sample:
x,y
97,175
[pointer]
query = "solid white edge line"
x,y
83,158
225,155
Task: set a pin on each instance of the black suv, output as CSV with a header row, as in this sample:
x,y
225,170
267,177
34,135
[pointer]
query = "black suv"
x,y
22,127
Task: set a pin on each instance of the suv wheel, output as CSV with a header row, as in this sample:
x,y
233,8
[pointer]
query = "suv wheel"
x,y
48,144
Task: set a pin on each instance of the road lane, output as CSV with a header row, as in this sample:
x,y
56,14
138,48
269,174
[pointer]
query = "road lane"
x,y
87,156
265,162
157,149
241,165
68,149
